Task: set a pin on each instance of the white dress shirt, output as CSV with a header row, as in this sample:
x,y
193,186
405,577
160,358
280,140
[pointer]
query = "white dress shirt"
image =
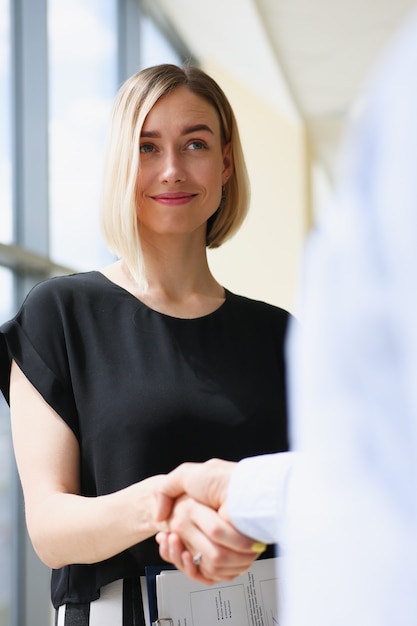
x,y
351,529
352,526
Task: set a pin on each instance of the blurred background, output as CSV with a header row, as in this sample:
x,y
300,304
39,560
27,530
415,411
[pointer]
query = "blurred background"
x,y
291,69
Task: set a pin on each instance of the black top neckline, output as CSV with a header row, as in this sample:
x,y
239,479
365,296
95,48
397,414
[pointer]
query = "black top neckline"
x,y
110,282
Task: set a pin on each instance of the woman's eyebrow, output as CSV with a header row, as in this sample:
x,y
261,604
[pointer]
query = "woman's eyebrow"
x,y
188,130
150,133
197,127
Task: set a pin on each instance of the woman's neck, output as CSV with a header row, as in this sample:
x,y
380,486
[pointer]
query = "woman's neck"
x,y
179,286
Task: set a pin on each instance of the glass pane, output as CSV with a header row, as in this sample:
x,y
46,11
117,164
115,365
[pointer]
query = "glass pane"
x,y
155,48
83,80
6,468
6,229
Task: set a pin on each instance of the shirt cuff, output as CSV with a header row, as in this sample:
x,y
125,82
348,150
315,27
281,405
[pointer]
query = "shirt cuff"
x,y
256,498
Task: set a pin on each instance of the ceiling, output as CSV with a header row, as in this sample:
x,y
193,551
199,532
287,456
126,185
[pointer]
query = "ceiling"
x,y
326,48
307,57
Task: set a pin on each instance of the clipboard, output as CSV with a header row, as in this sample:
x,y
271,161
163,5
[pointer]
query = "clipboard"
x,y
151,572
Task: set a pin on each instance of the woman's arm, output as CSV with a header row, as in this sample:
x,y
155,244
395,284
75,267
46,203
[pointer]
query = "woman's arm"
x,y
65,527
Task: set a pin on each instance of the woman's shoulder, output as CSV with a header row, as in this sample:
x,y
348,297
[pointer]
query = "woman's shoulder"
x,y
68,281
60,296
67,286
255,307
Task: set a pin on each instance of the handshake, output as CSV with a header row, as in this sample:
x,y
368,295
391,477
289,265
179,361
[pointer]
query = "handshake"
x,y
195,531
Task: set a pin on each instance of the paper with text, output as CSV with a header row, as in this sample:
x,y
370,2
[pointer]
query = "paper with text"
x,y
249,600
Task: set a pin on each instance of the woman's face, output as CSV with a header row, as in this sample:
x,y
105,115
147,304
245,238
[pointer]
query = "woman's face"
x,y
182,165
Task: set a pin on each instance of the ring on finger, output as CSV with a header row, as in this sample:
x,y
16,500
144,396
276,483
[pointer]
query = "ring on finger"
x,y
197,558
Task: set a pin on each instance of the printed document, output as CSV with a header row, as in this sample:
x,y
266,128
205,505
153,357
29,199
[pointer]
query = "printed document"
x,y
249,600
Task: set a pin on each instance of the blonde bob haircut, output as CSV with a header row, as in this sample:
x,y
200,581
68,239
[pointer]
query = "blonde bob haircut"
x,y
133,102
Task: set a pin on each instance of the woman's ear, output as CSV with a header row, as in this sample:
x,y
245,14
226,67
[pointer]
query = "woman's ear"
x,y
227,163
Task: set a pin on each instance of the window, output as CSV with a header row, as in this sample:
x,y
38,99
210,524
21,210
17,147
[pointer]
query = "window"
x,y
155,48
7,527
82,74
6,229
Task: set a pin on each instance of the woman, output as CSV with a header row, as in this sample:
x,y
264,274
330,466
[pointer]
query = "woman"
x,y
119,375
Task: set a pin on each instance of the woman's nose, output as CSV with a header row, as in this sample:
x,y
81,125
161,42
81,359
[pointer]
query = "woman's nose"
x,y
172,169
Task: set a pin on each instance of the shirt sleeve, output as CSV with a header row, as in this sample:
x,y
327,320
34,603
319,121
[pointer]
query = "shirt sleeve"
x,y
36,339
257,495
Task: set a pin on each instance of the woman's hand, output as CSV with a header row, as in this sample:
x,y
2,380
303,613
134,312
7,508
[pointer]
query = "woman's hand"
x,y
205,482
195,529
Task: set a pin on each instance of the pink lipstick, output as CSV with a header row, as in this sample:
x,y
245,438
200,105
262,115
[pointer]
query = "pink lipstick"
x,y
175,198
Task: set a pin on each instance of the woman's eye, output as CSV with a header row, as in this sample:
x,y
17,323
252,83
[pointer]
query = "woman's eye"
x,y
196,145
146,147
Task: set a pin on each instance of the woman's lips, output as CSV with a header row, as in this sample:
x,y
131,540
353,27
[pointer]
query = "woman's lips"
x,y
174,199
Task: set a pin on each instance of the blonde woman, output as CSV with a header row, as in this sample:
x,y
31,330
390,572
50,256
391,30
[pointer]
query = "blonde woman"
x,y
116,376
